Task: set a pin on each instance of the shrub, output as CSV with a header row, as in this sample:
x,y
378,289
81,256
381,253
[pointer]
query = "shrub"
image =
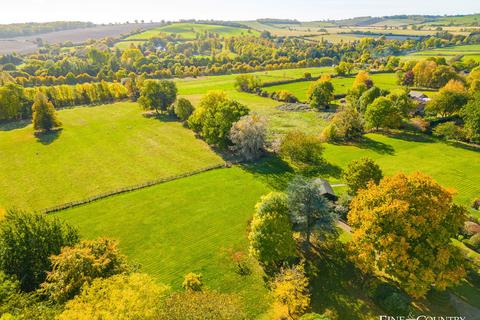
x,y
183,109
301,149
392,299
192,282
202,305
247,83
285,96
419,124
329,133
348,124
448,130
359,173
248,136
27,240
474,241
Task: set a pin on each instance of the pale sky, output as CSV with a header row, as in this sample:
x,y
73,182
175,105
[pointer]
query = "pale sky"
x,y
100,11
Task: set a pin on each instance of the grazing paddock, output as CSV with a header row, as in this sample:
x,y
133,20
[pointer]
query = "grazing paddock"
x,y
342,85
100,149
193,224
188,31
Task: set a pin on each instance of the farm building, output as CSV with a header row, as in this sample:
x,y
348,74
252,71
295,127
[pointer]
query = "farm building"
x,y
326,189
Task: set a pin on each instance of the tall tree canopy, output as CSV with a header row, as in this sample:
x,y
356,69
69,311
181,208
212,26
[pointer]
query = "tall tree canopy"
x,y
403,228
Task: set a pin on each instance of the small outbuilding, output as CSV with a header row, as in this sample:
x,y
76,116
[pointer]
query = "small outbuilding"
x,y
419,96
326,189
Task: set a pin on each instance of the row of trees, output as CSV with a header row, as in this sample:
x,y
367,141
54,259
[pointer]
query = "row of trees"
x,y
166,57
16,101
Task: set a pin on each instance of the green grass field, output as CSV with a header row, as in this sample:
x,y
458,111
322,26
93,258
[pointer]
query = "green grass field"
x,y
100,149
188,31
468,51
279,121
454,166
341,85
193,224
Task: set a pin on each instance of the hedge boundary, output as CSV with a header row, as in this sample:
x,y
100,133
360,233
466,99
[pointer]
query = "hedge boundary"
x,y
139,186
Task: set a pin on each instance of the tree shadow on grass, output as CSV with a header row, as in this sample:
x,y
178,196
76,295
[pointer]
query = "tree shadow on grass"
x,y
48,137
162,117
277,173
376,146
463,145
335,283
325,170
410,136
13,125
271,170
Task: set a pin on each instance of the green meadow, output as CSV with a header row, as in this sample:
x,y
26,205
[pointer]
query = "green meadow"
x,y
99,149
188,31
195,223
341,84
467,51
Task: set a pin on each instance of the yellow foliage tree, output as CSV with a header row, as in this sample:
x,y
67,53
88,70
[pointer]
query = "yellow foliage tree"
x,y
361,79
290,289
134,296
402,228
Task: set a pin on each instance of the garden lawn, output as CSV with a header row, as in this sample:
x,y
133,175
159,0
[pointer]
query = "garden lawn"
x,y
193,224
99,149
341,84
188,31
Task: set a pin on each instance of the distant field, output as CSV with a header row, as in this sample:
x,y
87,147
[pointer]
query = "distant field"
x,y
188,31
27,44
226,82
123,45
100,149
341,85
468,51
193,224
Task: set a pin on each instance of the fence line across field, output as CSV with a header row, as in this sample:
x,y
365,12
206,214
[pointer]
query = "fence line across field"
x,y
150,183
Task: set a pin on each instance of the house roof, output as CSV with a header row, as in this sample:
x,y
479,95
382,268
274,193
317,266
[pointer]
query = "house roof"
x,y
325,189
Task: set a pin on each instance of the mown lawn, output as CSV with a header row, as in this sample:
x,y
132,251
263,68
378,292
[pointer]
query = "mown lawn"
x,y
99,149
193,224
341,84
188,31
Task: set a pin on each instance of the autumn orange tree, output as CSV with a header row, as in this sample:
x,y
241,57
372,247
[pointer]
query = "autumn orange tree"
x,y
403,229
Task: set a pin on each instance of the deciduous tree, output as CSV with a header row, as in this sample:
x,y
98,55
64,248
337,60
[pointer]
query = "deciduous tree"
x,y
403,228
